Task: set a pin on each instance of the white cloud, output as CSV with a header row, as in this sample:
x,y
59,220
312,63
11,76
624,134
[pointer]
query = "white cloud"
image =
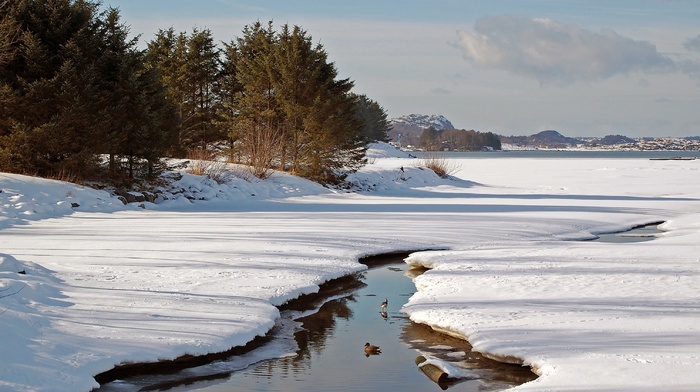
x,y
558,53
693,44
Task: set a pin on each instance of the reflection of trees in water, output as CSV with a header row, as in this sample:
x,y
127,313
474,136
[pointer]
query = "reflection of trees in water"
x,y
425,340
320,327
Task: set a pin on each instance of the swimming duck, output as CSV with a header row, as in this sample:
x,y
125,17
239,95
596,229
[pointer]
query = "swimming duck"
x,y
372,350
384,303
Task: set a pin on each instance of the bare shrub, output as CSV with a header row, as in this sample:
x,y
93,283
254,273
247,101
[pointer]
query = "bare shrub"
x,y
65,176
242,172
442,166
205,163
261,148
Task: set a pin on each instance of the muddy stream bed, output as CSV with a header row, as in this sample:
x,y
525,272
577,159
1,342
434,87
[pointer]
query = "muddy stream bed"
x,y
325,347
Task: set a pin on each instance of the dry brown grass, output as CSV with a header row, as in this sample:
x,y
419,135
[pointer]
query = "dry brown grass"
x,y
205,163
442,166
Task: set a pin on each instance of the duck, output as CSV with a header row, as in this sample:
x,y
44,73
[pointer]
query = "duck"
x,y
372,350
384,303
383,314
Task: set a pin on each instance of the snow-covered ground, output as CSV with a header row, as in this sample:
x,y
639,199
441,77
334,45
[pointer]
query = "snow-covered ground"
x,y
106,283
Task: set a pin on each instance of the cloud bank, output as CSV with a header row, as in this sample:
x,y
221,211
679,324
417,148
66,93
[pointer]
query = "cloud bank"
x,y
557,53
693,44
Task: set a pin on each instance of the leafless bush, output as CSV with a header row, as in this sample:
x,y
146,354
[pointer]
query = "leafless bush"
x,y
205,163
243,173
442,166
261,147
65,176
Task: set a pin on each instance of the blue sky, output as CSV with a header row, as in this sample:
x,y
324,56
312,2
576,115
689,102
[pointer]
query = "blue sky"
x,y
514,67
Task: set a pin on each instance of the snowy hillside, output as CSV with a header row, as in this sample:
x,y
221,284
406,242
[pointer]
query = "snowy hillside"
x,y
437,121
411,126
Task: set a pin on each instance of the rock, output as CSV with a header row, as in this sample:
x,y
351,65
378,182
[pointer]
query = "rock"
x,y
131,197
150,196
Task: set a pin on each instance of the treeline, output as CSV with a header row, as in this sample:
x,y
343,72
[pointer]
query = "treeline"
x,y
78,98
458,140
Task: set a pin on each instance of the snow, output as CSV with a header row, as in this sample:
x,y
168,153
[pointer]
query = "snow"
x,y
450,371
203,269
437,121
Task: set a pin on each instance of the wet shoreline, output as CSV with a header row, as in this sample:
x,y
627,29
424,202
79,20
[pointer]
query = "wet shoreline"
x,y
305,302
338,290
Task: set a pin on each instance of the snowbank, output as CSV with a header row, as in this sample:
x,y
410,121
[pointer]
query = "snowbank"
x,y
107,283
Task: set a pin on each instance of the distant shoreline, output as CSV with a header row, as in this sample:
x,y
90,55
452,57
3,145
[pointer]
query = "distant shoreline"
x,y
566,153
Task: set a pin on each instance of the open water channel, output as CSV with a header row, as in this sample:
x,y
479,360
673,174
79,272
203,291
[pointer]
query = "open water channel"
x,y
636,234
328,354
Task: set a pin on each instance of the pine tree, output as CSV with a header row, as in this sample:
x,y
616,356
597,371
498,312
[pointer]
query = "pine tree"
x,y
291,102
294,74
257,121
202,68
74,83
191,67
142,124
336,133
54,81
228,89
167,53
374,119
9,33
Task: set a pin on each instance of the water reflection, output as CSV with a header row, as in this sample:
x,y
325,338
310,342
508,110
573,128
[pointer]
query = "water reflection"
x,y
327,350
319,328
636,234
495,375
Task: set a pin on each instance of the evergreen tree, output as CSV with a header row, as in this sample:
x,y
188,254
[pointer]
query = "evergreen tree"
x,y
228,89
191,67
54,81
290,97
256,122
143,124
374,119
8,33
336,140
74,87
201,70
167,53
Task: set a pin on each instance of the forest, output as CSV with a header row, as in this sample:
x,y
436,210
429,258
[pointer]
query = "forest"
x,y
458,140
80,100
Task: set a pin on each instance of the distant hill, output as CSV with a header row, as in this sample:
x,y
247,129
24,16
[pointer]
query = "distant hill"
x,y
411,126
553,138
544,139
614,139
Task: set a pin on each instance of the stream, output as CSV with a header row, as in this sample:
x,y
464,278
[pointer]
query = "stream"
x,y
325,352
641,233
